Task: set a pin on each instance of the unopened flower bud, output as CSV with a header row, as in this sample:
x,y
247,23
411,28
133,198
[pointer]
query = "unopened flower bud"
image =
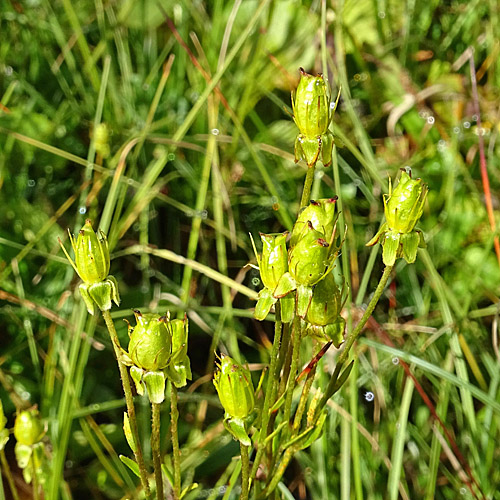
x,y
403,208
273,262
28,427
326,302
321,214
150,345
311,105
309,258
92,265
405,204
234,387
179,368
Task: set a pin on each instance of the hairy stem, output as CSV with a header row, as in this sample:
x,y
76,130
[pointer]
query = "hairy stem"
x,y
306,192
297,335
245,472
155,446
130,402
351,338
34,479
270,392
174,416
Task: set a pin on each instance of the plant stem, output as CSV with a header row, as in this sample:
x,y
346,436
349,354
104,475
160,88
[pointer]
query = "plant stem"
x,y
297,335
303,400
245,472
8,475
129,399
155,446
270,389
174,416
276,477
351,338
34,479
306,192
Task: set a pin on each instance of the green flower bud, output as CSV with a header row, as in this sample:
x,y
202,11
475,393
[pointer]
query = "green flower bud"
x,y
326,302
28,427
403,208
150,345
311,105
179,368
273,262
234,387
404,205
309,258
101,140
92,265
91,254
321,214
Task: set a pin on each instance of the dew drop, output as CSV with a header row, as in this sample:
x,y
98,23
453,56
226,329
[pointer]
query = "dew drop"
x,y
215,131
255,281
369,396
332,105
395,360
463,491
8,70
431,120
381,14
456,130
31,183
466,124
82,210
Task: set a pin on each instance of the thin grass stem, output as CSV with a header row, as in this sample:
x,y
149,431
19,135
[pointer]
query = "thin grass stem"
x,y
8,474
245,472
174,417
130,402
155,445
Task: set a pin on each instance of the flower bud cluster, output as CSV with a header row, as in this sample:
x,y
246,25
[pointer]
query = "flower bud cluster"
x,y
92,263
157,351
301,276
312,113
29,431
233,383
403,208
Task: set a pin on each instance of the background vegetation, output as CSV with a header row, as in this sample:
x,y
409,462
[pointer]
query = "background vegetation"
x,y
200,154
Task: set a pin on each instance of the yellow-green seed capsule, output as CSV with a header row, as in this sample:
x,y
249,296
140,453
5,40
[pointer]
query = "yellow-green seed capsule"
x,y
321,215
311,105
326,302
150,345
309,258
101,140
405,204
234,387
273,262
179,368
28,427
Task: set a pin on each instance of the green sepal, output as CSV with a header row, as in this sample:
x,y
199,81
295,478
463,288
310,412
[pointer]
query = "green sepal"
x,y
380,233
421,239
326,148
131,465
188,489
304,296
128,432
264,304
286,284
136,374
391,248
236,427
104,292
287,308
307,149
335,331
410,242
89,302
23,455
155,384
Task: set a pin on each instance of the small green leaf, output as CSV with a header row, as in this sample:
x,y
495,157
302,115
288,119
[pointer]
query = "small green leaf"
x,y
236,427
136,374
286,284
130,464
287,308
